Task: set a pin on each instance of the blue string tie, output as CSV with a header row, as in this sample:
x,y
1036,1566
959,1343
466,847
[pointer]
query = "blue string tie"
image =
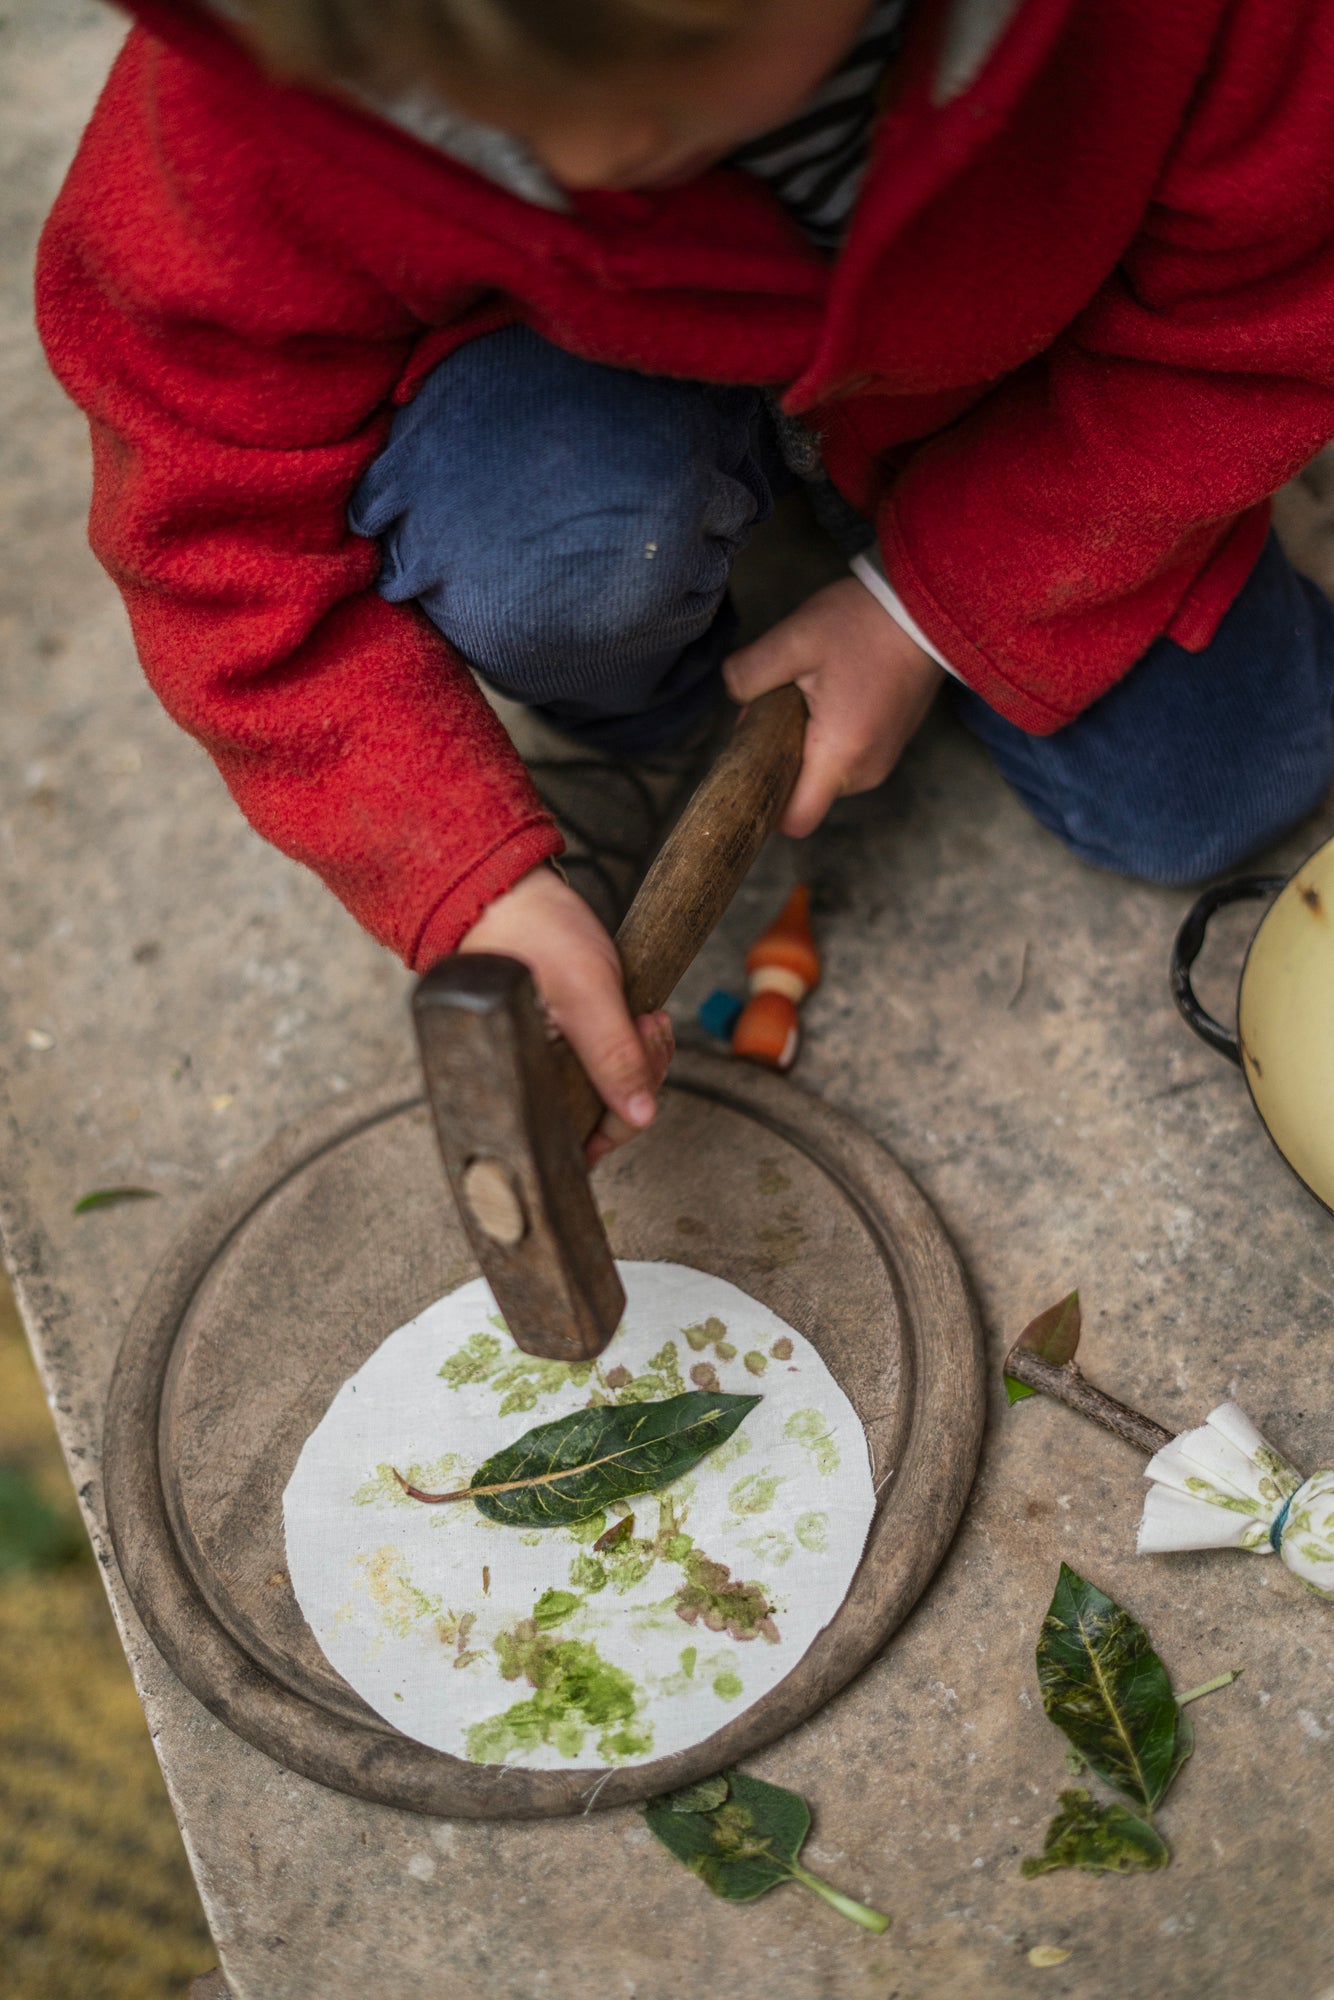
x,y
1276,1530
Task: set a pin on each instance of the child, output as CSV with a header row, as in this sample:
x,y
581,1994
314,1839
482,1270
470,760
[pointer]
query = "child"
x,y
422,332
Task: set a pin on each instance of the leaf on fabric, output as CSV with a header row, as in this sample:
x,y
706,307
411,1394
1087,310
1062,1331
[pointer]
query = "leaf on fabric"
x,y
619,1531
570,1468
1101,1839
111,1197
1106,1688
746,1843
1054,1335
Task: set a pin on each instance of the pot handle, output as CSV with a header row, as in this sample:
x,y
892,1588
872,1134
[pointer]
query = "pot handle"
x,y
1189,942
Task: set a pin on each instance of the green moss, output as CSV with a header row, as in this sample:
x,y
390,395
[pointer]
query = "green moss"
x,y
574,1690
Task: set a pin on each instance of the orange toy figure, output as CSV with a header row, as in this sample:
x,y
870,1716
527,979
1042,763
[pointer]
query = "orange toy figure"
x,y
783,965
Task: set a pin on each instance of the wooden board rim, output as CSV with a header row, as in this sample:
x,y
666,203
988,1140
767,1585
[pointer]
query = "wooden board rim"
x,y
370,1759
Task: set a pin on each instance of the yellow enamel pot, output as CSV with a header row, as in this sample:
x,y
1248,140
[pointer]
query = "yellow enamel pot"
x,y
1284,1044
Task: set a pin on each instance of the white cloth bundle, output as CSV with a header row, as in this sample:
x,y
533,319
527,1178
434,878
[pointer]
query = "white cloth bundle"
x,y
1223,1487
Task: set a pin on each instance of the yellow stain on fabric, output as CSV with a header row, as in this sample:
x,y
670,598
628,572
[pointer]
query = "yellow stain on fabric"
x,y
96,1898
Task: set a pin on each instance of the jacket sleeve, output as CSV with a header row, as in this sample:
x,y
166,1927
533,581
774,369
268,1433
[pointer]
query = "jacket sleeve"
x,y
1095,499
238,378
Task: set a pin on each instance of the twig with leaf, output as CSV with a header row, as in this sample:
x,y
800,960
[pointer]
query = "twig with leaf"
x,y
1220,1486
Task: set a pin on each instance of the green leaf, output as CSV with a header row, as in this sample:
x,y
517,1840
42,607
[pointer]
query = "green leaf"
x,y
1105,1687
700,1798
1104,1840
109,1197
568,1469
748,1843
1054,1335
32,1534
1183,1747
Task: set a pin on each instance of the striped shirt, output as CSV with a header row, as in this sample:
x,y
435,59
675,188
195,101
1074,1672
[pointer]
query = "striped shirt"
x,y
815,162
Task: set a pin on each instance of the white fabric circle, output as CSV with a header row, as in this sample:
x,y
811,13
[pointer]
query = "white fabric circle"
x,y
530,1647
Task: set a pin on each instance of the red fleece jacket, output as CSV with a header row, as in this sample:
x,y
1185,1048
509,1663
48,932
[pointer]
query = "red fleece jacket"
x,y
1083,325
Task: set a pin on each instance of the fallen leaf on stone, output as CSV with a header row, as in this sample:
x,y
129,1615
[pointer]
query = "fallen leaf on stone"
x,y
1106,1688
109,1197
746,1843
1048,1954
1101,1839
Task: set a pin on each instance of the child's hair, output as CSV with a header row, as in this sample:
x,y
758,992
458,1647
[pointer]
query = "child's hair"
x,y
373,42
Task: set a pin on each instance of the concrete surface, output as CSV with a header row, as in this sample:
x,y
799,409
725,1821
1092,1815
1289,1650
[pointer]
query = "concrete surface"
x,y
997,1014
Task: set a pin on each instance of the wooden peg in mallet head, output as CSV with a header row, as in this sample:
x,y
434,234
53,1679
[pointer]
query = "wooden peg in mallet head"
x,y
513,1107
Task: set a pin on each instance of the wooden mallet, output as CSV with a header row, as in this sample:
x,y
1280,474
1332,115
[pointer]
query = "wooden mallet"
x,y
513,1107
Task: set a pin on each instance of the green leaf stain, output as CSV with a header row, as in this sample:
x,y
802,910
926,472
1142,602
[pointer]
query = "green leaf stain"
x,y
756,1363
520,1380
588,1574
574,1690
754,1493
553,1607
772,1547
711,1332
474,1361
737,1446
389,1586
689,1655
812,1531
727,1685
711,1596
811,1430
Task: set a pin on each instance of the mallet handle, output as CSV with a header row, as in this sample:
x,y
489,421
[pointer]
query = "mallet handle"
x,y
699,868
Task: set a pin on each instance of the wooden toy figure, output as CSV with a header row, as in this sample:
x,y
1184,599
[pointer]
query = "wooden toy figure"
x,y
783,967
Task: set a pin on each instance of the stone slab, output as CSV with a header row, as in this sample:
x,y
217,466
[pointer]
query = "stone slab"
x,y
993,1011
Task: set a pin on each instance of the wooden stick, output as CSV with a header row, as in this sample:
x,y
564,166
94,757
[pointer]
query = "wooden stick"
x,y
1065,1384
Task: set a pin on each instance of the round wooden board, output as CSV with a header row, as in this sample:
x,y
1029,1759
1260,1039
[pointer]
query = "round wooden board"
x,y
343,1229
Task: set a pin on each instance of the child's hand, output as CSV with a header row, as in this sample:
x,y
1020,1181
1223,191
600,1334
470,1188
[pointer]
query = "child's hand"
x,y
868,687
543,922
